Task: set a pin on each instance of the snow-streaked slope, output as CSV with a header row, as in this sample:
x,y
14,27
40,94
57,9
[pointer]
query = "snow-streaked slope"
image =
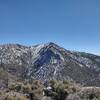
x,y
49,61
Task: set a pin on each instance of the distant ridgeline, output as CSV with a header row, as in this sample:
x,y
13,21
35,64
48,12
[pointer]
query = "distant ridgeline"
x,y
46,62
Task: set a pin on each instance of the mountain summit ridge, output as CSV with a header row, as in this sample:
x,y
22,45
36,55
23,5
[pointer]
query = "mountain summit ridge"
x,y
49,61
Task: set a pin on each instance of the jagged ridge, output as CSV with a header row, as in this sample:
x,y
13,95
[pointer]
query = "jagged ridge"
x,y
49,61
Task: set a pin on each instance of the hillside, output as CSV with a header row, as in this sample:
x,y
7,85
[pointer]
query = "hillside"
x,y
45,62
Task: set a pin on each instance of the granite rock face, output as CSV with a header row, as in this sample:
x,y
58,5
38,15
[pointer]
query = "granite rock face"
x,y
48,61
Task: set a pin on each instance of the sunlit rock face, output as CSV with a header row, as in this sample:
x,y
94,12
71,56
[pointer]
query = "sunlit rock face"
x,y
49,61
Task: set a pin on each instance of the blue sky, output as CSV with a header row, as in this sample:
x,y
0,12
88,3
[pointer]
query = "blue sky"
x,y
72,24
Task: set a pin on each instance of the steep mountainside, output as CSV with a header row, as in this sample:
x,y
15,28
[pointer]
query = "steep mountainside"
x,y
48,61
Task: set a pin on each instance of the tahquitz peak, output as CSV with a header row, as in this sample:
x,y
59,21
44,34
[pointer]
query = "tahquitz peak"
x,y
47,61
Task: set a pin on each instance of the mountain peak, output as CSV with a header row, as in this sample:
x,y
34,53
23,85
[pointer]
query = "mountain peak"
x,y
51,44
50,61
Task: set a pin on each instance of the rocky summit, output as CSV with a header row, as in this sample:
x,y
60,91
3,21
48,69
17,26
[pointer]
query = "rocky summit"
x,y
45,62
